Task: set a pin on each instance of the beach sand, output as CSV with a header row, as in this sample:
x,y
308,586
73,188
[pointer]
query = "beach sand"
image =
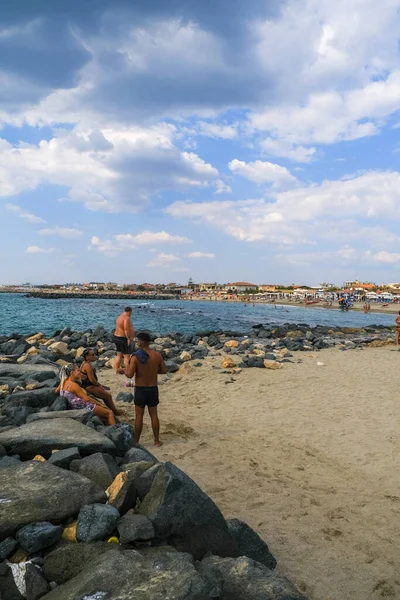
x,y
308,455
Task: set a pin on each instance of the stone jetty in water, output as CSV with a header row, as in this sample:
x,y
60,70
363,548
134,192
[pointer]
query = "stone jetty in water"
x,y
86,514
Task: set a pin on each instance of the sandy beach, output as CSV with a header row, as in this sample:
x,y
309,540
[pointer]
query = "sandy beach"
x,y
376,307
308,455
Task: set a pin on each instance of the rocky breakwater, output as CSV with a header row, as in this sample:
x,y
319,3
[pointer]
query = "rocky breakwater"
x,y
86,515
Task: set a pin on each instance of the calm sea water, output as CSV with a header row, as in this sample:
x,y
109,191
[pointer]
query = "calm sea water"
x,y
28,315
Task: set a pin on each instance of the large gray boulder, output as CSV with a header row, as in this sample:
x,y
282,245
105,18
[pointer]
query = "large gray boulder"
x,y
100,468
36,536
8,587
245,579
41,437
36,584
65,562
35,491
31,369
175,504
127,574
35,398
80,414
96,522
138,454
133,528
250,544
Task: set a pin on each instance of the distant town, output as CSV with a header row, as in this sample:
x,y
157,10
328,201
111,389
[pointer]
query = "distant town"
x,y
244,288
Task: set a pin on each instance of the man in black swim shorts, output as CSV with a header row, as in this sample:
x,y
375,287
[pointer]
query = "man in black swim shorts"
x,y
123,337
146,364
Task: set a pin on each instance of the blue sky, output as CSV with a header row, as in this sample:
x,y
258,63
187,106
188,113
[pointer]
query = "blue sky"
x,y
222,140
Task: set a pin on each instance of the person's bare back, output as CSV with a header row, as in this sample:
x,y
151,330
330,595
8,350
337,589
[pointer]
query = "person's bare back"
x,y
147,373
124,327
146,365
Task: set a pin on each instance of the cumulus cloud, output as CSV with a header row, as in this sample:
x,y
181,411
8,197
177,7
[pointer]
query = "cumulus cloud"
x,y
163,260
106,247
63,232
201,255
263,172
303,214
117,169
222,187
24,214
150,237
37,250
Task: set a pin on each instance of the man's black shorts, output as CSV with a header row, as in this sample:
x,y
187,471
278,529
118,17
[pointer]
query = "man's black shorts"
x,y
146,396
121,344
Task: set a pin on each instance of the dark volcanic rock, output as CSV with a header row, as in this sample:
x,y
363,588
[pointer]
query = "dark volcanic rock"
x,y
127,496
124,397
96,522
138,454
2,451
144,482
68,561
250,544
175,504
41,437
35,491
132,528
8,588
31,369
7,547
245,579
9,461
63,458
36,584
35,398
207,538
60,403
100,468
36,536
127,575
121,435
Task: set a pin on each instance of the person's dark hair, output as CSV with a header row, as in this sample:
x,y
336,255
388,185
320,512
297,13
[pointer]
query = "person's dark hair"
x,y
143,336
86,352
128,309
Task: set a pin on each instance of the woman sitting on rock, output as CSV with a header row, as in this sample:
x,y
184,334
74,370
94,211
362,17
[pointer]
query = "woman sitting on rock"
x,y
91,384
77,397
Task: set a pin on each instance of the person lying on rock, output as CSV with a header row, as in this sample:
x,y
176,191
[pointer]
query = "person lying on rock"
x,y
90,383
77,397
146,364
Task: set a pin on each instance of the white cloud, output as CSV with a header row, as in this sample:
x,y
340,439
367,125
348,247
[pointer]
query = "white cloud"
x,y
263,172
222,187
163,260
305,214
37,250
109,169
23,214
103,246
150,237
217,130
386,257
201,255
63,232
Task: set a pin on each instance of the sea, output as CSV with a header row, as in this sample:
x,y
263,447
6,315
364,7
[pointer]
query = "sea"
x,y
20,314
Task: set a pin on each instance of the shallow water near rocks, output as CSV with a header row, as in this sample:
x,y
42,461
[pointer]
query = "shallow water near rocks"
x,y
28,315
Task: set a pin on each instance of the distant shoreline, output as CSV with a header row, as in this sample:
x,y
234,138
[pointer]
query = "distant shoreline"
x,y
357,306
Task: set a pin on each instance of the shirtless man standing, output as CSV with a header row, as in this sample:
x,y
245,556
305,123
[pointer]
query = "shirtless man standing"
x,y
123,337
146,364
398,329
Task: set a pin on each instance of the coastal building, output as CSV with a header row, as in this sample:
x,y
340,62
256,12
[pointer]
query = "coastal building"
x,y
361,285
211,287
241,286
